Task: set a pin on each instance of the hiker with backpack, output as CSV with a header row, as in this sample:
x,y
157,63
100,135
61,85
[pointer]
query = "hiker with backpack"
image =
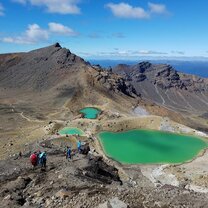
x,y
43,159
38,158
68,153
34,159
79,144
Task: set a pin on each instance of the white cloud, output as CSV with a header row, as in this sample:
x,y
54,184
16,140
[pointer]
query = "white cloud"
x,y
58,28
125,10
119,53
1,10
55,6
150,52
33,34
36,34
157,8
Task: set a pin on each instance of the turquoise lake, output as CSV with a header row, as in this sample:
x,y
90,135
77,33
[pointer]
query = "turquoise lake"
x,y
149,147
90,112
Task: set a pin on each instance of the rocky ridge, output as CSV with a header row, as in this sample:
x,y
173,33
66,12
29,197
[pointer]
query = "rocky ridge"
x,y
162,75
164,85
113,83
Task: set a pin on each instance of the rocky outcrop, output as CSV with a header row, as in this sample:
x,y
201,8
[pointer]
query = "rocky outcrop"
x,y
114,83
140,77
113,203
168,77
142,67
98,170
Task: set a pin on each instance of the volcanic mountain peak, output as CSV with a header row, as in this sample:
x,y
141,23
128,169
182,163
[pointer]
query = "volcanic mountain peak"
x,y
56,54
39,68
57,44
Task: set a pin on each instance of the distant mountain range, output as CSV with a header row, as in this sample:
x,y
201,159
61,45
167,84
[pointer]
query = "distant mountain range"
x,y
166,86
199,68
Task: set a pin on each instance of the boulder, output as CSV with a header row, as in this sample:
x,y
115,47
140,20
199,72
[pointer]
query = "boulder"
x,y
113,203
63,194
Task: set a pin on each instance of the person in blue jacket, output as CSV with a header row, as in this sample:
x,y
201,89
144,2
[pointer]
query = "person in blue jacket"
x,y
43,159
68,153
79,144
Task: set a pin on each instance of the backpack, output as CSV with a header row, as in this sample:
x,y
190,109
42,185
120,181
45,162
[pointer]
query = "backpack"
x,y
33,159
42,155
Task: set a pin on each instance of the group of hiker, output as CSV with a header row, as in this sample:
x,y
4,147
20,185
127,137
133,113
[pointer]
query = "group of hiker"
x,y
81,148
38,159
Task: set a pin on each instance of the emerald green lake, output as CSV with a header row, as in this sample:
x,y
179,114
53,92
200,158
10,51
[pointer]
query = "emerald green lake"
x,y
71,131
148,147
90,113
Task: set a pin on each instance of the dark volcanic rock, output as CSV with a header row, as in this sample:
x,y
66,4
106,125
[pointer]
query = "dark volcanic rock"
x,y
142,67
114,83
140,77
168,77
99,170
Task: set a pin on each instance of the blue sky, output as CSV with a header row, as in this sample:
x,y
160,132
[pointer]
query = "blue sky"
x,y
103,29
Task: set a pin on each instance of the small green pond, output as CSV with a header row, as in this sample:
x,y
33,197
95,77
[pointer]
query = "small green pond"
x,y
148,147
90,112
71,131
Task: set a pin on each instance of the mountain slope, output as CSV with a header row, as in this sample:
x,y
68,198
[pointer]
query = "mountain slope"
x,y
50,80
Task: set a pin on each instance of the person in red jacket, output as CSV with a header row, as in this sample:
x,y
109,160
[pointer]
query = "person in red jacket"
x,y
34,159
